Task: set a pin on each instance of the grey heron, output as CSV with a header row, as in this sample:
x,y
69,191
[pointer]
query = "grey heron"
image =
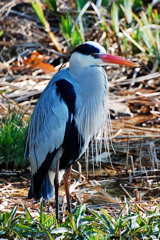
x,y
69,112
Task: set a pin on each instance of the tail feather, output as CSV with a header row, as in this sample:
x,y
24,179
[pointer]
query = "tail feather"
x,y
46,190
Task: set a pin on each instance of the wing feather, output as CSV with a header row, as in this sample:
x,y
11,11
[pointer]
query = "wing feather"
x,y
47,129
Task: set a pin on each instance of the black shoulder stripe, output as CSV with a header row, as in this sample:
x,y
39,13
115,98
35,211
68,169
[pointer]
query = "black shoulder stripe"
x,y
67,93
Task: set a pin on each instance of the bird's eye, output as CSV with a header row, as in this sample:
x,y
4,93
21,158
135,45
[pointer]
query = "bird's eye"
x,y
92,54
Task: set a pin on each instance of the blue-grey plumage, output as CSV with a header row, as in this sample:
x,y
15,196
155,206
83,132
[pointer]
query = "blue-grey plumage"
x,y
70,112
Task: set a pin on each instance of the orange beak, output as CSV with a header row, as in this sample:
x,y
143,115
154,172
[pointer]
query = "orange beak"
x,y
116,60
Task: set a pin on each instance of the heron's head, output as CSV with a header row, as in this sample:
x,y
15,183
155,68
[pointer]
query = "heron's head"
x,y
92,53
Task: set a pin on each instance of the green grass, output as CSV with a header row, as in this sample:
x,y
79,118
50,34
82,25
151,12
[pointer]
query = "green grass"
x,y
12,136
143,36
79,225
72,34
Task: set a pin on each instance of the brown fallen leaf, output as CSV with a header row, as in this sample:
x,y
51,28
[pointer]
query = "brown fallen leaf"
x,y
35,61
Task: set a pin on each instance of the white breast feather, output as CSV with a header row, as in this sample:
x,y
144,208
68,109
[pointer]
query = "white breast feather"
x,y
92,103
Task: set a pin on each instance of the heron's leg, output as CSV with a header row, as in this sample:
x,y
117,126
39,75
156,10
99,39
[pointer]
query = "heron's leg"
x,y
56,185
66,184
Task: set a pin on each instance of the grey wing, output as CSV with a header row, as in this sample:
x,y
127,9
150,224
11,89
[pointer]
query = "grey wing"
x,y
47,129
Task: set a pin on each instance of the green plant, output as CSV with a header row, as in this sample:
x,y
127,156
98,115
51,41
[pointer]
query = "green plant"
x,y
40,13
127,9
148,37
8,224
79,224
115,19
52,4
80,4
131,226
13,225
46,223
144,32
12,136
137,4
71,33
